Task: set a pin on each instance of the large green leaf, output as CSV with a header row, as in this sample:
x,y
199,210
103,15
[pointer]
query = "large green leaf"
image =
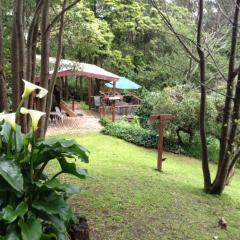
x,y
10,214
12,236
71,168
59,227
53,204
55,148
32,229
5,133
55,184
12,174
19,138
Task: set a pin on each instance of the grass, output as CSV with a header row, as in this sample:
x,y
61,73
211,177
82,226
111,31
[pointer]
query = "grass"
x,y
83,105
126,198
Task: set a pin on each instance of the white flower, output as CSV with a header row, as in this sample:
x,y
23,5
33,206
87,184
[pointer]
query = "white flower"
x,y
30,87
9,118
35,116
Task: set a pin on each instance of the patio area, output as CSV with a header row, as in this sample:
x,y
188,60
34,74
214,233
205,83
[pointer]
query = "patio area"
x,y
86,121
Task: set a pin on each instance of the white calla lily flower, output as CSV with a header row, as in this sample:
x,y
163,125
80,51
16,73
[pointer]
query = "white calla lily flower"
x,y
10,118
35,116
30,87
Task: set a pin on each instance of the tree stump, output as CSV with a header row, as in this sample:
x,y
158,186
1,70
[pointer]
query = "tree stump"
x,y
80,231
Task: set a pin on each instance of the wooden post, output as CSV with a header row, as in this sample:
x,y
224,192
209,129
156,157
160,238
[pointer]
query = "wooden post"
x,y
162,120
89,92
73,104
113,105
126,111
104,111
81,88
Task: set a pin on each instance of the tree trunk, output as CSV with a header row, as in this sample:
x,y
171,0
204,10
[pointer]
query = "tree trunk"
x,y
54,76
227,127
44,62
202,67
31,52
3,86
15,64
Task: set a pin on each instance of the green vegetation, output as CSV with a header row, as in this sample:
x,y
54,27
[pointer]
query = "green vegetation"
x,y
147,136
127,199
34,205
83,105
133,133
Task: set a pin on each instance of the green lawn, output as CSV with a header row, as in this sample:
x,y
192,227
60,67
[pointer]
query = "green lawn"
x,y
126,198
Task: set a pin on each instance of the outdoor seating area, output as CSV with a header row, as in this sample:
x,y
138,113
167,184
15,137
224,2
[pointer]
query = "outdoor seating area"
x,y
125,106
83,122
114,97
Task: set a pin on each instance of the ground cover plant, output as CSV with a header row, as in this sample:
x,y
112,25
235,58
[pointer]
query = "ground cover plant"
x,y
125,198
32,204
147,136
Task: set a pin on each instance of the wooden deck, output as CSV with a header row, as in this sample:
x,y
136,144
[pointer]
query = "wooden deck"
x,y
85,122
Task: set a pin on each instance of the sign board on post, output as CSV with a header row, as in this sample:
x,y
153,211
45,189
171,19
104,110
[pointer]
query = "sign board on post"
x,y
162,118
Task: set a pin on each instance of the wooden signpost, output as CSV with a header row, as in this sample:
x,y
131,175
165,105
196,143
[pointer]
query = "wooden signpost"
x,y
162,118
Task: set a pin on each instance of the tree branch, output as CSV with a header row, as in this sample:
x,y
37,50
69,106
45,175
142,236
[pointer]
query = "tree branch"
x,y
171,28
56,18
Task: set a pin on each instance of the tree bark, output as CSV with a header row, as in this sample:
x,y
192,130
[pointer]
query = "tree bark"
x,y
19,21
228,130
54,76
202,67
32,38
44,62
15,64
31,52
3,85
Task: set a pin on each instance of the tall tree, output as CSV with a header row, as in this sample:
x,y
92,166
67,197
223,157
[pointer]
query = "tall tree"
x,y
229,150
3,85
45,48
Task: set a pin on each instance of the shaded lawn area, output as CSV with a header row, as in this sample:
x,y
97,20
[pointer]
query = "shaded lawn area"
x,y
126,198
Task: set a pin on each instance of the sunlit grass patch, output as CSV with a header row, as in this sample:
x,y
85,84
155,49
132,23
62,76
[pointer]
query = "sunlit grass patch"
x,y
126,198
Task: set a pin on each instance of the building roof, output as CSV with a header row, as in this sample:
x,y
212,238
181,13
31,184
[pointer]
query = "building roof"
x,y
74,68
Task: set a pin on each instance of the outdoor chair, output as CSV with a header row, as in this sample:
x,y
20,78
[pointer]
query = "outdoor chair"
x,y
97,101
59,115
56,116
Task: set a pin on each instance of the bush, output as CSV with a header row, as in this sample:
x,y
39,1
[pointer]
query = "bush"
x,y
183,103
133,133
105,121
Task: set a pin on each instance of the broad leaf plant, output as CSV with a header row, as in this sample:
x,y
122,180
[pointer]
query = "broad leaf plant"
x,y
33,205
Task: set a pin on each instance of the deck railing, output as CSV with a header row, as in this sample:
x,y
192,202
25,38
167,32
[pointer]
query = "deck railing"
x,y
127,111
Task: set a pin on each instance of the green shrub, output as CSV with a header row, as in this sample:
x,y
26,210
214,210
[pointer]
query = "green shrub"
x,y
105,121
133,133
83,105
183,103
